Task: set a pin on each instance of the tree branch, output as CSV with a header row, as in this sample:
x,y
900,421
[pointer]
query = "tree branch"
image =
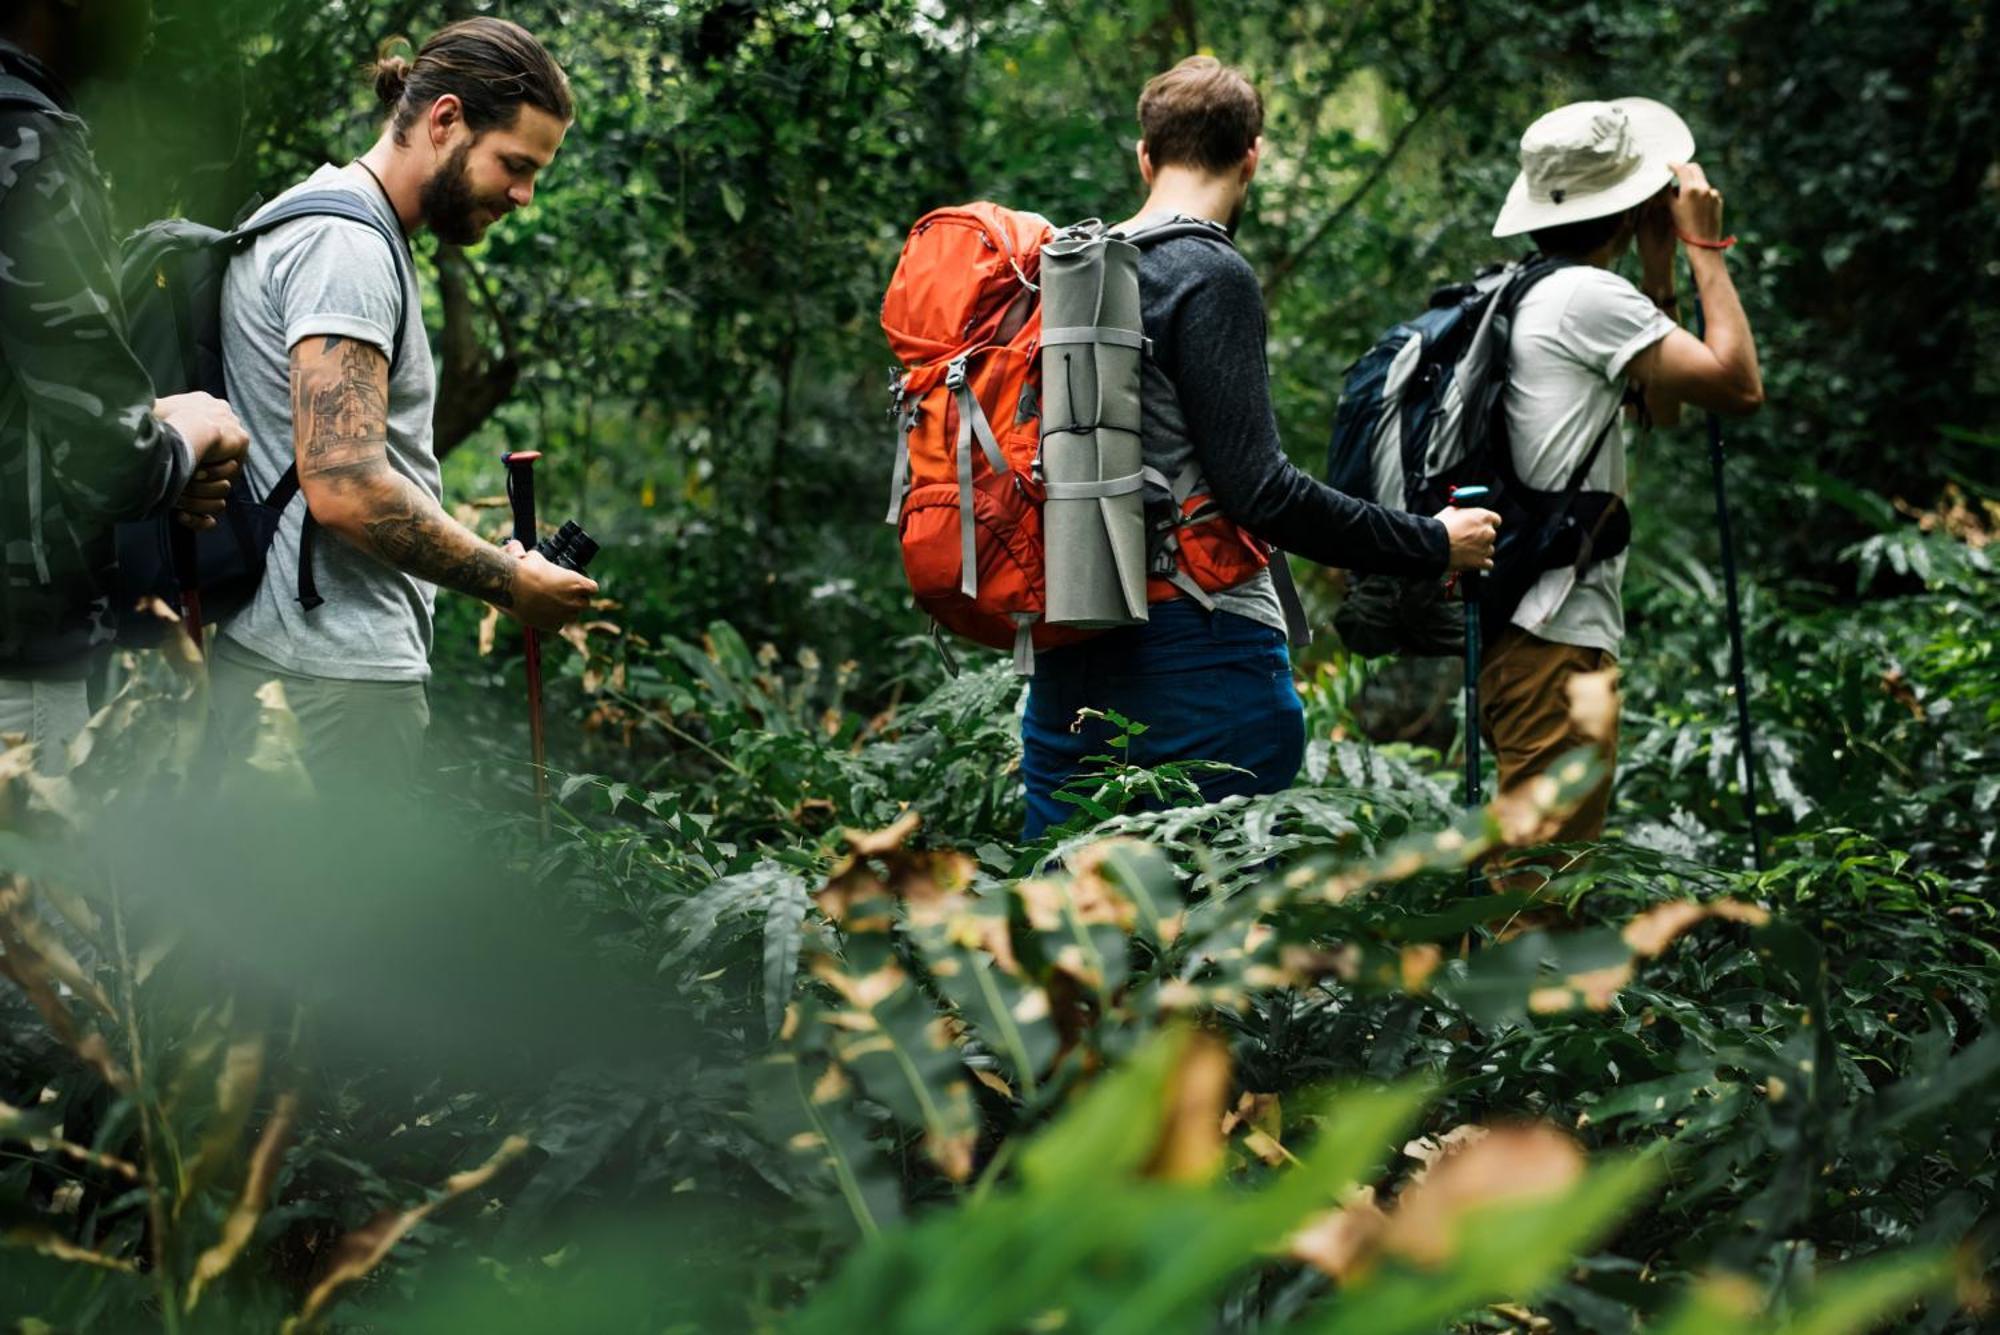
x,y
1285,266
1090,78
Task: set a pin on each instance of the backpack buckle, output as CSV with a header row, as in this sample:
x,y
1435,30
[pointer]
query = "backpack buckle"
x,y
954,374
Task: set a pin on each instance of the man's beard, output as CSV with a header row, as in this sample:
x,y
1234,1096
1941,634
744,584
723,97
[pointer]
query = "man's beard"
x,y
448,206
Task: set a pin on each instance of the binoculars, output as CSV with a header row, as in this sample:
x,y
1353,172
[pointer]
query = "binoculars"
x,y
569,547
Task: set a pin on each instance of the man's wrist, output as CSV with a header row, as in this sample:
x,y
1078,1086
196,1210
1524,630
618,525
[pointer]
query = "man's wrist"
x,y
1707,266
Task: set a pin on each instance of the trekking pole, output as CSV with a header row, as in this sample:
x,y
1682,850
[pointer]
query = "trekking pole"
x,y
521,498
181,543
1469,590
1745,743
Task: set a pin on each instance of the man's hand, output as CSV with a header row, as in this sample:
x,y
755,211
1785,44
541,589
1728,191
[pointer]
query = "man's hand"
x,y
203,500
212,431
547,596
1697,209
1655,233
206,423
1472,534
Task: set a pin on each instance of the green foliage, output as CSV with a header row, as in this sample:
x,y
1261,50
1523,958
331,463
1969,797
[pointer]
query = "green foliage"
x,y
767,1071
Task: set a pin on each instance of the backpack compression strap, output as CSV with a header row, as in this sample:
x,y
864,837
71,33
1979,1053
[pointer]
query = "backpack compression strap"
x,y
324,204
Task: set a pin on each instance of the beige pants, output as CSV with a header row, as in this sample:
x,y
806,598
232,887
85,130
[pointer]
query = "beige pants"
x,y
46,715
1524,714
355,736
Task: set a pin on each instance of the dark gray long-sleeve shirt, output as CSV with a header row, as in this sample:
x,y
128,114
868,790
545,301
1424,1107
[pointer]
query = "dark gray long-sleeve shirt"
x,y
1207,393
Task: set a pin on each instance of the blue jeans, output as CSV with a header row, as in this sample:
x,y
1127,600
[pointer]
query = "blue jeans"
x,y
1208,686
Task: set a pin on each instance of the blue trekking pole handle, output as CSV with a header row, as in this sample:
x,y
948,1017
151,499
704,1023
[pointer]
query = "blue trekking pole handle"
x,y
1470,592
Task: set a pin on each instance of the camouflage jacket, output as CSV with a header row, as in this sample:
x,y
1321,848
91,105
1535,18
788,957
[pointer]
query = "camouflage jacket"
x,y
80,449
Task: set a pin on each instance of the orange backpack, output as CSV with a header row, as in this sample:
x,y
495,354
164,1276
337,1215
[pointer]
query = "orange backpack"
x,y
964,318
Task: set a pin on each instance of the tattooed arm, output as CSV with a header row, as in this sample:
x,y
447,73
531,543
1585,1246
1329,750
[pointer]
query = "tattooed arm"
x,y
340,432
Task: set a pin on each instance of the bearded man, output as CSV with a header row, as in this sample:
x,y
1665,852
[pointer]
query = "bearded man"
x,y
325,354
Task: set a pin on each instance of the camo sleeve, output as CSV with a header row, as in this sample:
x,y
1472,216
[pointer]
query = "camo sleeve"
x,y
89,404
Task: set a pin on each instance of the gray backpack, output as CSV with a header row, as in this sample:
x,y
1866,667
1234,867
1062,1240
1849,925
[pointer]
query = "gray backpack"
x,y
171,282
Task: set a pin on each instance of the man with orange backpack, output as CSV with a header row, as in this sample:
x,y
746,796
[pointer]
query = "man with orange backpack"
x,y
1214,682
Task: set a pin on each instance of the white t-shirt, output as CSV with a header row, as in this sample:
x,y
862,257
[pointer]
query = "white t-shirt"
x,y
1574,334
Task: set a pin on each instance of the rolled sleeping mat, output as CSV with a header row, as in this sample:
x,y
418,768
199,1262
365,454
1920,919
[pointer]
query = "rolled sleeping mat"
x,y
1094,519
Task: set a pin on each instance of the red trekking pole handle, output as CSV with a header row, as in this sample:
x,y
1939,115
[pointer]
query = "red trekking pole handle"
x,y
520,466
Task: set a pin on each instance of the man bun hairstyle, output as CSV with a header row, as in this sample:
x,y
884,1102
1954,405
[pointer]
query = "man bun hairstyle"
x,y
392,73
492,66
1202,114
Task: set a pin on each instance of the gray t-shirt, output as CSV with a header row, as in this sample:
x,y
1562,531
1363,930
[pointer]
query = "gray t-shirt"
x,y
314,278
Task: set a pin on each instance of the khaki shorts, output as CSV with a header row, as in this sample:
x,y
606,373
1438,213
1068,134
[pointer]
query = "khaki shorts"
x,y
356,736
1524,714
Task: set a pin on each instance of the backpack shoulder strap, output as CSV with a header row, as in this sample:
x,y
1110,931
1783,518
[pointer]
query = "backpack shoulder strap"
x,y
324,204
336,204
1172,228
1530,271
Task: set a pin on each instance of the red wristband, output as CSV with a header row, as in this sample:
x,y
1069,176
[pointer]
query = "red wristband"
x,y
1723,244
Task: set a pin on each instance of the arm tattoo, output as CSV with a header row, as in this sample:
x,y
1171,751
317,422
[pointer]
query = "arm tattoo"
x,y
340,407
340,426
430,546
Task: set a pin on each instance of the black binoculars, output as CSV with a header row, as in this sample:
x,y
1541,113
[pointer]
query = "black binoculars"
x,y
569,547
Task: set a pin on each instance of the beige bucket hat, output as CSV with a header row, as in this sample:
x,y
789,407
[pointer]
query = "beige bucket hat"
x,y
1590,159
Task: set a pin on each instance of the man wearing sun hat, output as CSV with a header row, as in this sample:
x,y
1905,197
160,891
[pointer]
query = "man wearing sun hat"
x,y
1595,177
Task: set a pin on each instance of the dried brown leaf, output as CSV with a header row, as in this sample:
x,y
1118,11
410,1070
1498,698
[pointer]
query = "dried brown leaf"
x,y
1190,1145
236,1083
12,1121
242,1220
1529,1161
1417,964
873,843
489,630
1343,1242
993,1082
362,1250
1655,929
62,1249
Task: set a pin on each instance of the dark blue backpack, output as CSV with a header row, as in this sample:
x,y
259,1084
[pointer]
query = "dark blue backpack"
x,y
1421,413
171,282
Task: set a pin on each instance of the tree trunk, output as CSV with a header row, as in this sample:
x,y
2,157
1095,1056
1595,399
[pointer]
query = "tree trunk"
x,y
471,383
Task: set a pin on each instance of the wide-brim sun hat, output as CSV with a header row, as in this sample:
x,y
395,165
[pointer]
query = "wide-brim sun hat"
x,y
1591,159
